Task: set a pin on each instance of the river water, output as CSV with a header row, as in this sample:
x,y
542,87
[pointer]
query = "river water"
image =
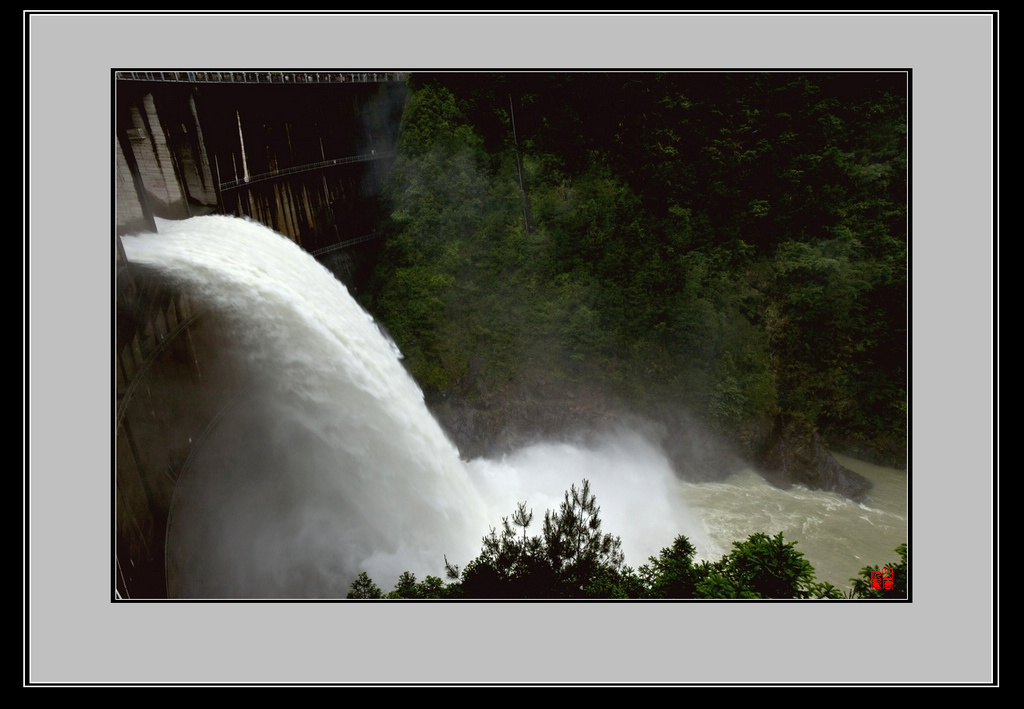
x,y
839,537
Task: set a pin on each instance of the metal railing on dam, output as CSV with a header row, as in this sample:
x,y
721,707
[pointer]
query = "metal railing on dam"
x,y
347,243
284,172
264,77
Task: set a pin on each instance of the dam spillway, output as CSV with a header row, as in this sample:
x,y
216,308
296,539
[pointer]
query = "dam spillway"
x,y
303,153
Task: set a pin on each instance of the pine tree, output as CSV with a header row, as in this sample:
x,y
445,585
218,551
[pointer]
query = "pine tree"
x,y
577,550
364,587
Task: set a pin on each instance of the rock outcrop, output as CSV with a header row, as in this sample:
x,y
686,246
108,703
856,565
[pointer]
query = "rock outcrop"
x,y
792,454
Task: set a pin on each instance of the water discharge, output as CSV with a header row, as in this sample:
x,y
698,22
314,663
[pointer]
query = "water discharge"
x,y
329,462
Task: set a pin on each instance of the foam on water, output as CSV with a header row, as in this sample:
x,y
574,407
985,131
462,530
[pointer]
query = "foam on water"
x,y
330,463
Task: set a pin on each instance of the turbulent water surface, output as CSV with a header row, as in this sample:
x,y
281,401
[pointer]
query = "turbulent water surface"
x,y
838,536
329,463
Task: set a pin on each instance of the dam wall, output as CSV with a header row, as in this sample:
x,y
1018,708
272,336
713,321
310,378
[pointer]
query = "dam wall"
x,y
303,153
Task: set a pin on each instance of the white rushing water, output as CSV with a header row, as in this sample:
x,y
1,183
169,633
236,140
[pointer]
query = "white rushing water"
x,y
330,463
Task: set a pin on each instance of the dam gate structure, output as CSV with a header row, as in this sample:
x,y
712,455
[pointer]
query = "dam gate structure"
x,y
304,153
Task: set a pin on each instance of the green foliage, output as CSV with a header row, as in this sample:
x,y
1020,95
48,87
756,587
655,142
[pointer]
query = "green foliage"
x,y
824,589
733,242
672,574
432,117
578,551
830,340
760,567
364,587
408,588
511,564
572,558
900,587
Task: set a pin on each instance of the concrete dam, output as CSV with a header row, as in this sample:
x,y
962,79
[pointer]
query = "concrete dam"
x,y
303,153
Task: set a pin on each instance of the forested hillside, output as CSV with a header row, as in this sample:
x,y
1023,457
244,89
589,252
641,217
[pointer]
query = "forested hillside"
x,y
729,245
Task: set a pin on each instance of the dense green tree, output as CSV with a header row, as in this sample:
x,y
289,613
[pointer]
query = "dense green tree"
x,y
673,573
572,558
364,587
511,563
762,566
